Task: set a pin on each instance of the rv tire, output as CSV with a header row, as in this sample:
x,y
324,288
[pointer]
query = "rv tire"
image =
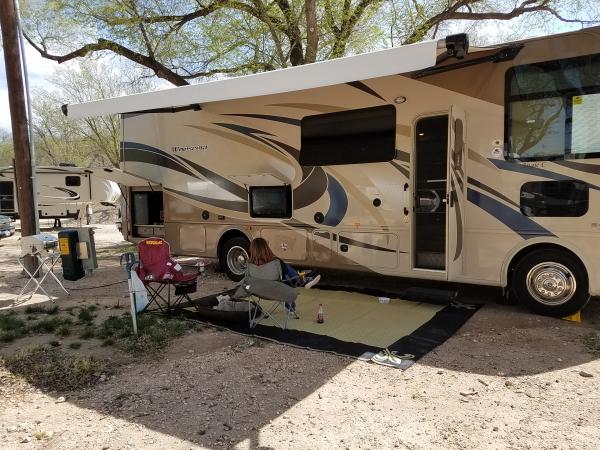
x,y
233,257
551,282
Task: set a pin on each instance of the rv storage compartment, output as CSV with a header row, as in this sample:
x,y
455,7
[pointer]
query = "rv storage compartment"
x,y
71,264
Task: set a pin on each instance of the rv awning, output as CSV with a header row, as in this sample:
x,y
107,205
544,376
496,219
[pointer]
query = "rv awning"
x,y
381,63
118,176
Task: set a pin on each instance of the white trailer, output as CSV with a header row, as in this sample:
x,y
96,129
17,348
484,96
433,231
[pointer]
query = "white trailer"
x,y
63,192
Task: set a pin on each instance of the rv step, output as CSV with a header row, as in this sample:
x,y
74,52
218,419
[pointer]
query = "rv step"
x,y
441,296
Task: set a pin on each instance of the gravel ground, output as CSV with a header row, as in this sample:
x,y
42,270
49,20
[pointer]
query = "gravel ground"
x,y
507,379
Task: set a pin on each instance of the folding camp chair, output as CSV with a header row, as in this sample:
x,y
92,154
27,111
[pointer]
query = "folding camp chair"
x,y
268,294
159,272
261,312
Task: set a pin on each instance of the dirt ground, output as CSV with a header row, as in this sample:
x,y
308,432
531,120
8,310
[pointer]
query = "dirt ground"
x,y
507,379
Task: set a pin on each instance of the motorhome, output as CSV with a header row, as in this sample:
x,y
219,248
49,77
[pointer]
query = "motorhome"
x,y
435,161
63,192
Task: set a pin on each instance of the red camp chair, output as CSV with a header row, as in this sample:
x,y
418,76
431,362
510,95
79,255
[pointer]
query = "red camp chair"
x,y
157,268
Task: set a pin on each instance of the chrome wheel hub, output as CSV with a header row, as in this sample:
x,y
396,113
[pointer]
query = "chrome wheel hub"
x,y
551,283
237,259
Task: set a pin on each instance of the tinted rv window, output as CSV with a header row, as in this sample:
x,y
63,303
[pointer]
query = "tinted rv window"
x,y
72,181
552,109
554,198
274,202
365,135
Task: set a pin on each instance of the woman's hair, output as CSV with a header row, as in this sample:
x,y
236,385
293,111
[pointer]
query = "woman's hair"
x,y
260,253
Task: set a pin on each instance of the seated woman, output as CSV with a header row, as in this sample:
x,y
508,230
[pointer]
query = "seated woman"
x,y
265,265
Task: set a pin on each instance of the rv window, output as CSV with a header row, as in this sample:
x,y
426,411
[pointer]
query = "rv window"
x,y
273,202
365,135
554,198
552,109
72,181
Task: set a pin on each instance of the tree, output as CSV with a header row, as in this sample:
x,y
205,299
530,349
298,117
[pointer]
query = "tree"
x,y
92,141
185,40
6,148
413,21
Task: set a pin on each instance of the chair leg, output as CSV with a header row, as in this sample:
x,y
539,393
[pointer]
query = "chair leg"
x,y
267,314
155,297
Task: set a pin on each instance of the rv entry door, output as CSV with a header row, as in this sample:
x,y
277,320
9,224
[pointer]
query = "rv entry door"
x,y
456,191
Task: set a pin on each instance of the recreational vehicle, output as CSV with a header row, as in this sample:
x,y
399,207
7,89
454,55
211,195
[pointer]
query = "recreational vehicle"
x,y
62,192
434,160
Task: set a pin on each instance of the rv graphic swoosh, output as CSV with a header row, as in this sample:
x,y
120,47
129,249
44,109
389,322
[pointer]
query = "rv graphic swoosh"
x,y
338,202
136,152
515,220
363,87
72,195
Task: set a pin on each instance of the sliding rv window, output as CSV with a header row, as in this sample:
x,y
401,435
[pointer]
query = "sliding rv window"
x,y
553,109
366,135
564,198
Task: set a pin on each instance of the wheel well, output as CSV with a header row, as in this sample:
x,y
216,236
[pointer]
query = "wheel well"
x,y
229,234
543,246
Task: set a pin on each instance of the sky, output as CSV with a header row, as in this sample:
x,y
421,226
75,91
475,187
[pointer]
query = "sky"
x,y
39,68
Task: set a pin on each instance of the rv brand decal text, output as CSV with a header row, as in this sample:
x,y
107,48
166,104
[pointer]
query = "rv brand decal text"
x,y
187,148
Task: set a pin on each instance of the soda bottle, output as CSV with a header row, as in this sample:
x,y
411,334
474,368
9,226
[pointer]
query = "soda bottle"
x,y
320,316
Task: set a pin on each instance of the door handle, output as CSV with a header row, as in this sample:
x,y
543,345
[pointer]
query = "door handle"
x,y
343,248
405,198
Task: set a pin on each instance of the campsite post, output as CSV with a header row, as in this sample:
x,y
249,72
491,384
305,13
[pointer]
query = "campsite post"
x,y
129,263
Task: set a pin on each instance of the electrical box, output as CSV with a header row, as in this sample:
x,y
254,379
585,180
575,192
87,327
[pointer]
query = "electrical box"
x,y
87,248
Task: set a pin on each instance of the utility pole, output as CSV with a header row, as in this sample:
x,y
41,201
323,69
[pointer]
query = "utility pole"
x,y
18,117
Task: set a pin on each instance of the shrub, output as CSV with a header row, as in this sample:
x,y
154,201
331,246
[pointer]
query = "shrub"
x,y
86,315
11,327
87,333
49,325
40,309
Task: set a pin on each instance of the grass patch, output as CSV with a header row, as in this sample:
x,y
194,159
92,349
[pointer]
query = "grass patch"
x,y
63,331
108,342
39,309
11,327
41,436
115,327
592,342
154,332
86,314
50,325
51,369
87,333
75,345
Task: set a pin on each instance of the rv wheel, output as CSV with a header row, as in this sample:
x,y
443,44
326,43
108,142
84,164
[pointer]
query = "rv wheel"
x,y
551,282
234,257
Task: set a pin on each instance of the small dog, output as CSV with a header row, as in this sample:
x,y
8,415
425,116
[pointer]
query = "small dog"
x,y
226,304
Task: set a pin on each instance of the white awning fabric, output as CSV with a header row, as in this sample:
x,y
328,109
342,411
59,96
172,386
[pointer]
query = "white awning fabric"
x,y
381,63
118,176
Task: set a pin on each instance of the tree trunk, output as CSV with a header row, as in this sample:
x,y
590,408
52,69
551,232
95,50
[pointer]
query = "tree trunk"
x,y
312,32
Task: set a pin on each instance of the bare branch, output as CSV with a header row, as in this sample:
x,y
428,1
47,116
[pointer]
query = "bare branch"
x,y
159,69
253,66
